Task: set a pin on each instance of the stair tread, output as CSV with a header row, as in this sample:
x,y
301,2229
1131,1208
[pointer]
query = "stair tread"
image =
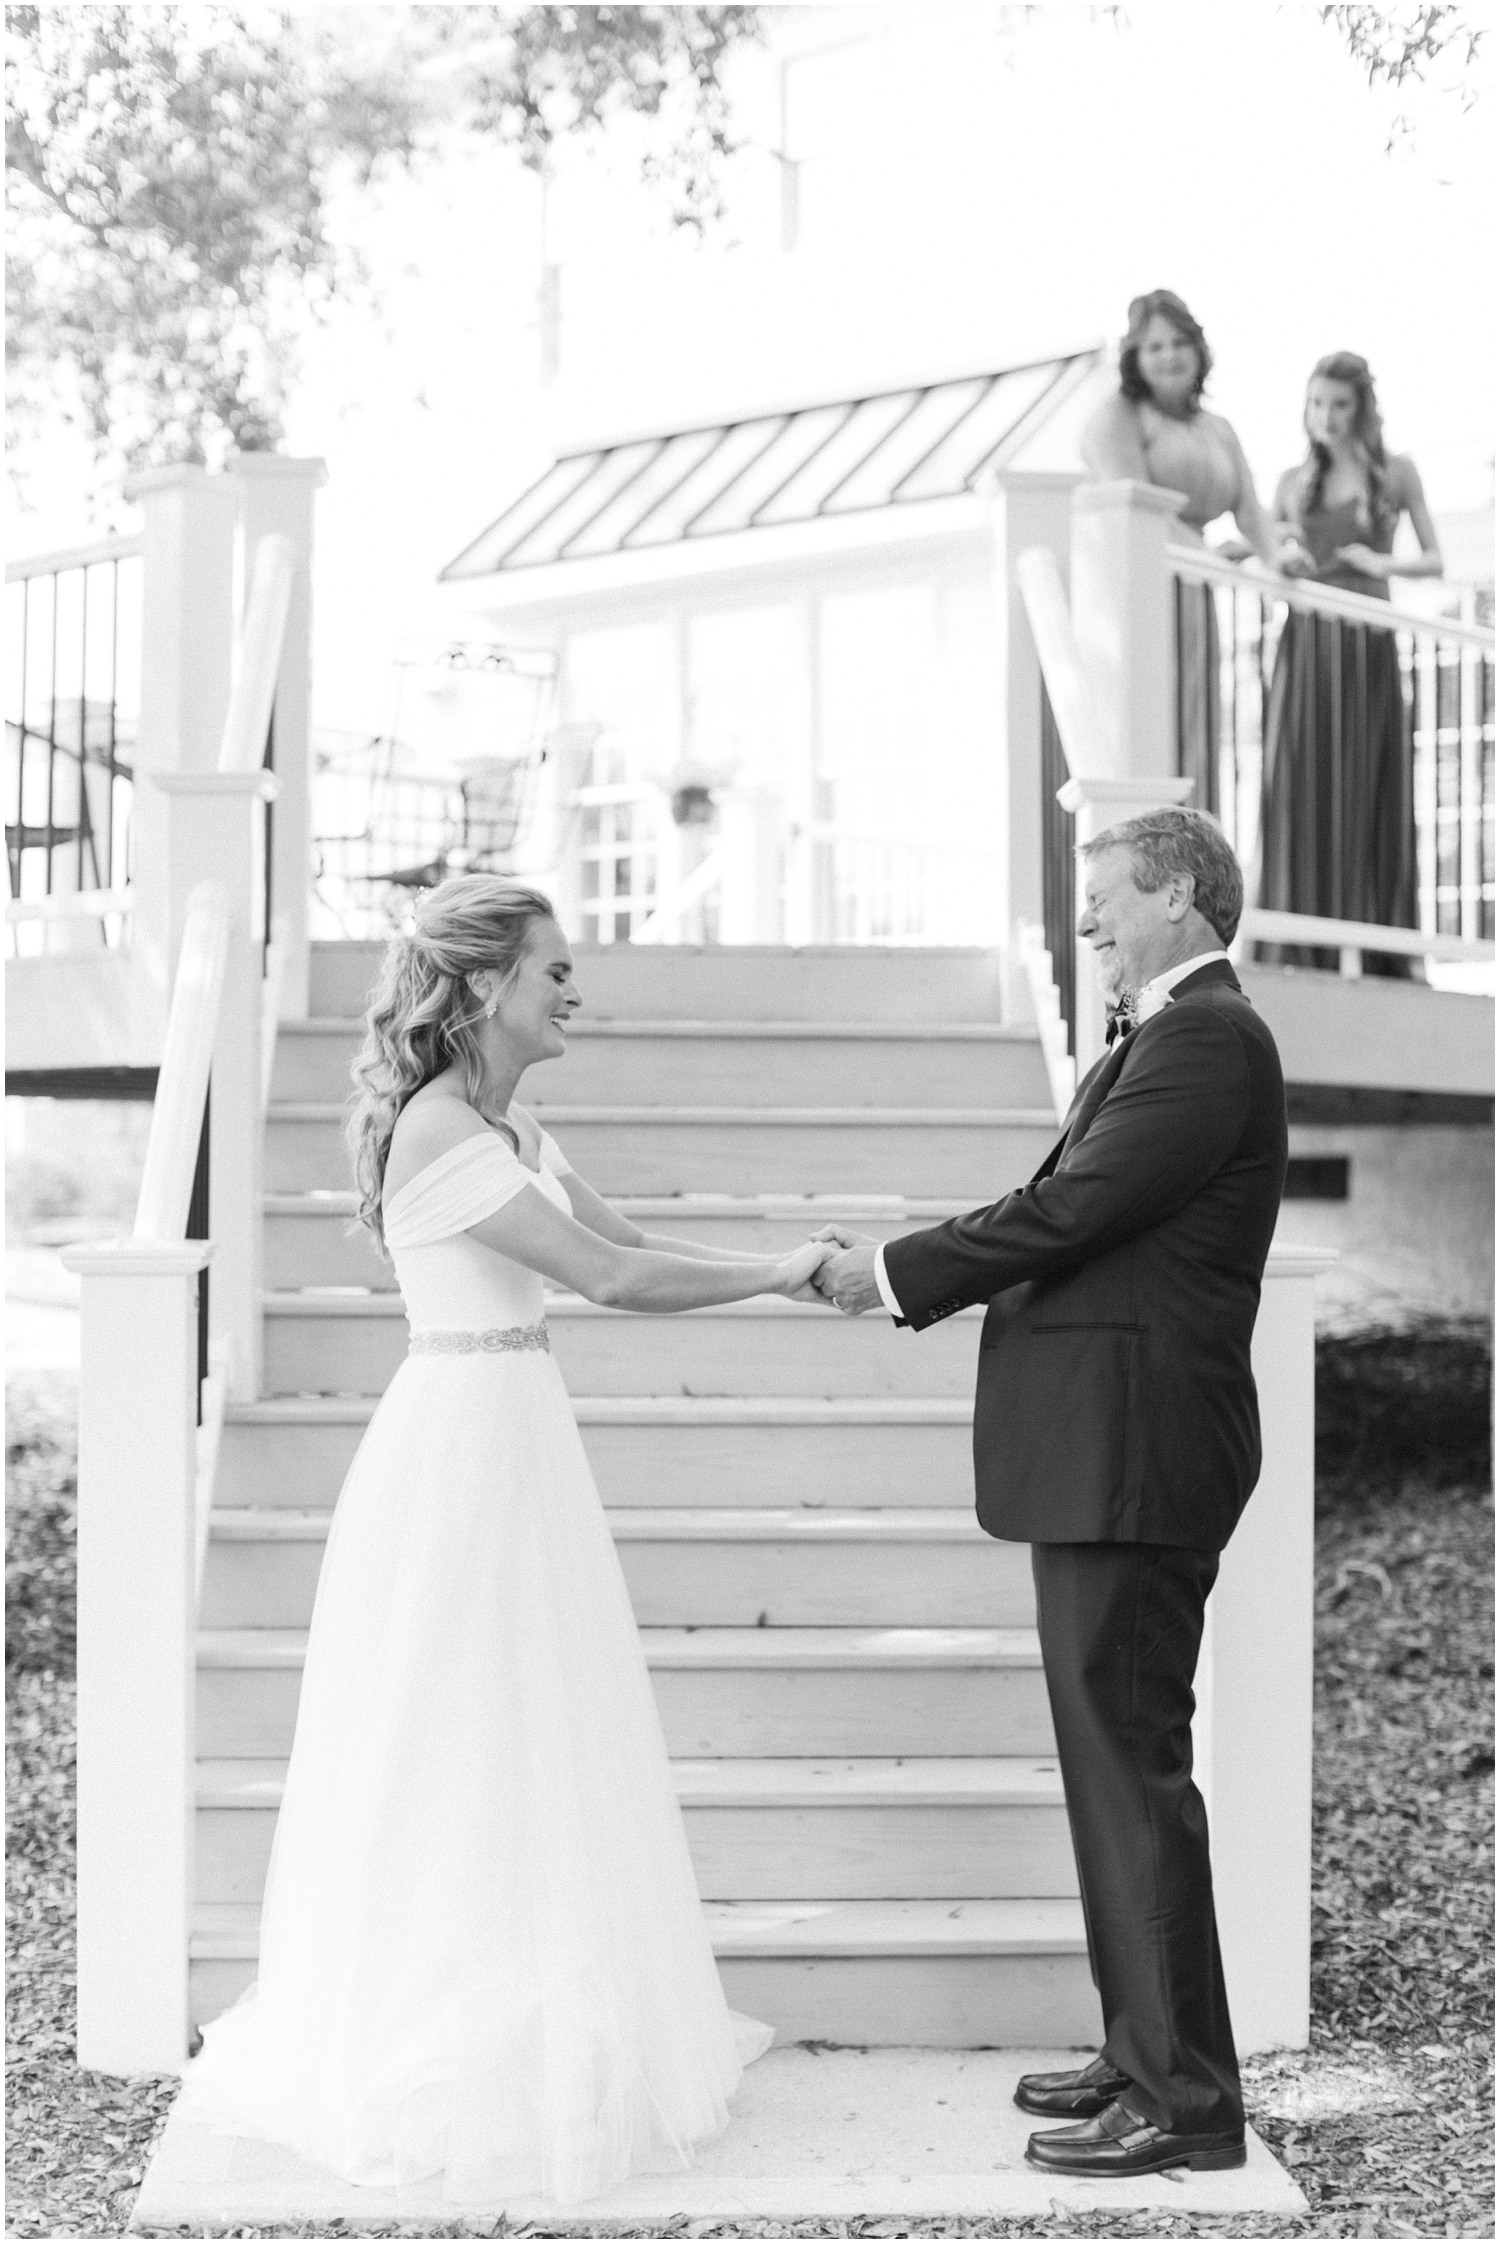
x,y
668,1524
689,1030
758,1117
810,1929
651,1410
365,1301
706,1648
938,1781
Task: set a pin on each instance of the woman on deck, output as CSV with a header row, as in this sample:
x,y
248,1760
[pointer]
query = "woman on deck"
x,y
1155,429
1338,832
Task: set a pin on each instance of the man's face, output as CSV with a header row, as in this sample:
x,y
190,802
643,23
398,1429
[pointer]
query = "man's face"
x,y
1132,933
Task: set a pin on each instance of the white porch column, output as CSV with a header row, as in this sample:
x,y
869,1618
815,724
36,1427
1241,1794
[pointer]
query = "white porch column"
x,y
276,494
187,647
1096,804
213,821
1252,1737
750,831
1122,618
1026,509
137,1471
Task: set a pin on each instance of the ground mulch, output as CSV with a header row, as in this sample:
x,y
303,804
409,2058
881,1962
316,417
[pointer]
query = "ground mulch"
x,y
1386,2121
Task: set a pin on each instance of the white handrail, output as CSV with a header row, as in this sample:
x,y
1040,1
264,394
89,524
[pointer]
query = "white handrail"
x,y
1362,935
243,746
1203,567
77,903
704,876
1051,620
74,557
177,1113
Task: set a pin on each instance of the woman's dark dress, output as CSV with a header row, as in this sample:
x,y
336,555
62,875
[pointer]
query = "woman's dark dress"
x,y
1338,827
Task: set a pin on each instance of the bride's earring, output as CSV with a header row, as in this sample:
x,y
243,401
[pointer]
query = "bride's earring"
x,y
489,1011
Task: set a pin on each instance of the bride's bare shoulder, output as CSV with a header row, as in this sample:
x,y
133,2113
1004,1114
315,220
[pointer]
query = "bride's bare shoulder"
x,y
431,1123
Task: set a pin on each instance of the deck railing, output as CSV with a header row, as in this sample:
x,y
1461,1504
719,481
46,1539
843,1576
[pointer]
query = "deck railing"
x,y
72,631
1229,624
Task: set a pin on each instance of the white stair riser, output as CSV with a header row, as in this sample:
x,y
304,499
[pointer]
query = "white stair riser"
x,y
733,982
764,1853
709,1584
728,1713
974,1163
324,1248
819,1353
954,2002
302,1467
949,2002
726,1070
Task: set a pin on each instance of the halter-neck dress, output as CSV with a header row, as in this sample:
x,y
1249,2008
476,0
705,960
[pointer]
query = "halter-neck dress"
x,y
1338,827
483,1953
1195,456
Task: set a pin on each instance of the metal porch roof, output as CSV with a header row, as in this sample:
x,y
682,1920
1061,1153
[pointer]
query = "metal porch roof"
x,y
809,462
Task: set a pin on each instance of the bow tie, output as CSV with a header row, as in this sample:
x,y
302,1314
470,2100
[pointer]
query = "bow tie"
x,y
1121,1019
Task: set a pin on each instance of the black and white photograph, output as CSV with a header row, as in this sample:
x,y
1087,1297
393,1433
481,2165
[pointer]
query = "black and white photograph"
x,y
750,1090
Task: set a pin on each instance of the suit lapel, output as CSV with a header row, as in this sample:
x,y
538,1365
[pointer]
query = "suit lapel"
x,y
1100,1080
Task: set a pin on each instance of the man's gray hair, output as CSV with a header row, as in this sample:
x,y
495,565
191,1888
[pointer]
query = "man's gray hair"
x,y
1164,844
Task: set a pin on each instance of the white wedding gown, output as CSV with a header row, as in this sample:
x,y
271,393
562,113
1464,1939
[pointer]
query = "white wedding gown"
x,y
482,1949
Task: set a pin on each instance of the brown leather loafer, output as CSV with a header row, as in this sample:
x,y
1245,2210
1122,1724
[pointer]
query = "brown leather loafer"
x,y
1119,2143
1080,2095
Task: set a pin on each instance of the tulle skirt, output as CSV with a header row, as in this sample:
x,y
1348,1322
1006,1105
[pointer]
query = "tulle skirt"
x,y
482,1949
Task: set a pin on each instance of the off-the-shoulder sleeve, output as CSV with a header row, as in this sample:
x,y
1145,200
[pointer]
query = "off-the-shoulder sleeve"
x,y
461,1187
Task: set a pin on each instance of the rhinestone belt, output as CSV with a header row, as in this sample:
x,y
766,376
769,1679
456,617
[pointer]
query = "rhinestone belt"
x,y
499,1340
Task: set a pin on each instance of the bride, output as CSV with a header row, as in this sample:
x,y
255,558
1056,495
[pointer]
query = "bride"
x,y
482,1950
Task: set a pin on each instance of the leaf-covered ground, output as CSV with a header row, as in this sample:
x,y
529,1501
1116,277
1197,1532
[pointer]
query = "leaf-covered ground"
x,y
1387,2121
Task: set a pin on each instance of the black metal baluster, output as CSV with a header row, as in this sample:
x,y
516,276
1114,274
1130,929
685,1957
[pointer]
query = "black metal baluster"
x,y
114,727
1059,873
1234,717
83,723
198,1228
52,741
1177,648
23,737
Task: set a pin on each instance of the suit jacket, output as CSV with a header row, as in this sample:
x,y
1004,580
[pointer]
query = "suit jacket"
x,y
1115,1399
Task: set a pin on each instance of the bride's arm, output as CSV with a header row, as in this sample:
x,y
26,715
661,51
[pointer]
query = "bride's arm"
x,y
529,1229
597,1215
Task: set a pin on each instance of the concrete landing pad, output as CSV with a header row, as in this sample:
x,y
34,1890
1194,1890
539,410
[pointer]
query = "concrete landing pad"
x,y
827,2134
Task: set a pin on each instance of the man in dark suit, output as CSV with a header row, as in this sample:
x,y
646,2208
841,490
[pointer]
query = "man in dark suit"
x,y
1116,1431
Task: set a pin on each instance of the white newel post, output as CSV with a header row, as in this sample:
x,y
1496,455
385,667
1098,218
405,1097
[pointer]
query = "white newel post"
x,y
750,830
1026,510
187,649
213,818
1096,804
137,1464
1122,619
1252,1737
276,495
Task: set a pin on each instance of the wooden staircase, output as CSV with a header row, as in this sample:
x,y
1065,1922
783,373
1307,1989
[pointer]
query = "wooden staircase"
x,y
847,1669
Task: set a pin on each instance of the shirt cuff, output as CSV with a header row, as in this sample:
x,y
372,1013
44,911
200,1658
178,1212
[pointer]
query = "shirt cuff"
x,y
887,1291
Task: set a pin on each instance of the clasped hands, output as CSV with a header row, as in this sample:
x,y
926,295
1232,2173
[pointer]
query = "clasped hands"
x,y
846,1277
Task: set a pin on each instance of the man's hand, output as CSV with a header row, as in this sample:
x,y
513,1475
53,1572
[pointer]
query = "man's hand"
x,y
848,1279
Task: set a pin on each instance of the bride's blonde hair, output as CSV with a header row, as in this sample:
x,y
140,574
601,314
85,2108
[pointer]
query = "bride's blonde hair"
x,y
422,1015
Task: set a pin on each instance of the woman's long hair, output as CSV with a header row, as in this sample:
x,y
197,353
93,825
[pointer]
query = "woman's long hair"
x,y
1369,440
1161,303
421,1018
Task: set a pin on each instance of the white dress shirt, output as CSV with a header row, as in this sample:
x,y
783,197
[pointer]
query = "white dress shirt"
x,y
1165,983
